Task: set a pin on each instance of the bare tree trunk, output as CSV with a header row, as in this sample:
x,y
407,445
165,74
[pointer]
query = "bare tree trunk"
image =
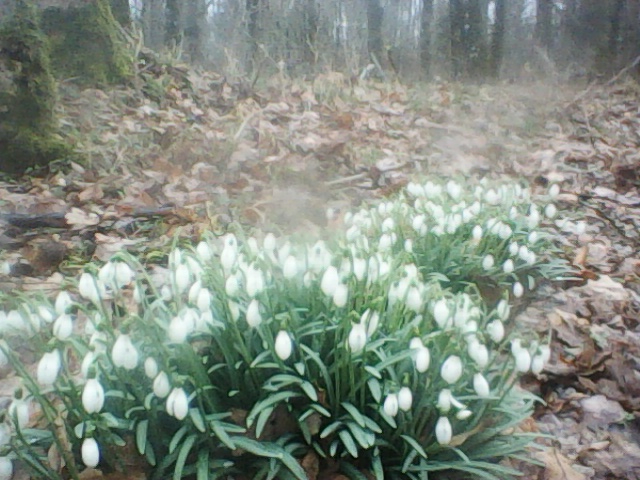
x,y
174,23
456,32
375,14
426,17
153,23
544,16
497,39
253,12
195,29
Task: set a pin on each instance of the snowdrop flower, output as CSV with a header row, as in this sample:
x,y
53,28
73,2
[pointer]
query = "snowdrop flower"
x,y
203,250
93,396
203,302
554,190
359,268
234,310
19,412
87,362
90,453
151,368
254,281
49,367
229,254
253,314
503,309
405,399
46,314
533,219
444,432
290,268
178,404
481,386
488,262
6,468
385,243
422,359
179,329
194,291
388,225
415,343
540,359
63,327
408,245
330,281
454,189
90,288
340,295
441,313
182,278
63,302
161,385
518,290
357,337
124,353
418,223
451,369
269,242
165,293
476,233
123,275
550,211
138,293
478,352
507,266
413,300
464,414
391,406
284,346
514,248
495,330
531,258
371,319
232,285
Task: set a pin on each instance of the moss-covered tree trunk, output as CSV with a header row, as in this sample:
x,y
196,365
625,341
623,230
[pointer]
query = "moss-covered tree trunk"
x,y
86,44
27,100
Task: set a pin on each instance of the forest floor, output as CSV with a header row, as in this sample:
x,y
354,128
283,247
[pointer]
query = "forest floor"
x,y
199,153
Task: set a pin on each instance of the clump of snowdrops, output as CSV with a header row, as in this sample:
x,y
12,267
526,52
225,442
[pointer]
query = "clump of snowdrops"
x,y
373,352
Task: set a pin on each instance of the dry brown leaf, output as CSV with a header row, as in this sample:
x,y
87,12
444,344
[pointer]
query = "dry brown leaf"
x,y
557,466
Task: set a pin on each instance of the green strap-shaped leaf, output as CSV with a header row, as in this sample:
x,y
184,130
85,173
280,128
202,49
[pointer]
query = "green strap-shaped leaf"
x,y
271,400
415,445
182,456
271,450
141,435
354,412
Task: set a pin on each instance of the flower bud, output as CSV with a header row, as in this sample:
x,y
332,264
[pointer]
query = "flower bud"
x,y
357,337
495,330
537,364
92,396
63,302
451,369
63,327
182,278
518,290
253,314
554,190
507,266
49,367
423,358
203,301
269,242
124,353
464,414
481,386
523,359
341,295
444,432
478,353
87,362
283,344
359,268
90,289
123,275
405,399
254,281
550,211
488,262
178,404
150,368
330,281
390,406
19,412
441,313
203,250
90,453
232,286
290,268
513,249
161,385
416,342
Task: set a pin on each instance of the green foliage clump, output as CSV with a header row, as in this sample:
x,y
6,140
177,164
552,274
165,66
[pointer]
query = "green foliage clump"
x,y
374,352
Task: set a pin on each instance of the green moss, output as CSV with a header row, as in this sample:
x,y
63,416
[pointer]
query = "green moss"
x,y
85,44
26,148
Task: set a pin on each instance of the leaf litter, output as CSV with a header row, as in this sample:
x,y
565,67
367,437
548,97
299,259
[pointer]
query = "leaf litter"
x,y
209,151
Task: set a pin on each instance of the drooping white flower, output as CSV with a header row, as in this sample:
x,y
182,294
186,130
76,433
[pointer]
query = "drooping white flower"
x,y
514,248
91,288
408,245
194,290
203,250
253,313
464,414
254,281
405,399
203,302
93,396
124,353
390,405
46,314
371,319
521,356
166,293
537,364
63,302
415,342
505,231
87,362
90,452
283,344
330,281
488,262
518,290
123,275
229,253
423,359
554,190
290,269
178,404
478,352
161,385
495,329
444,431
341,295
234,310
63,327
150,367
359,268
451,369
481,386
476,233
357,337
507,266
550,211
182,278
6,468
19,412
441,313
269,242
49,367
